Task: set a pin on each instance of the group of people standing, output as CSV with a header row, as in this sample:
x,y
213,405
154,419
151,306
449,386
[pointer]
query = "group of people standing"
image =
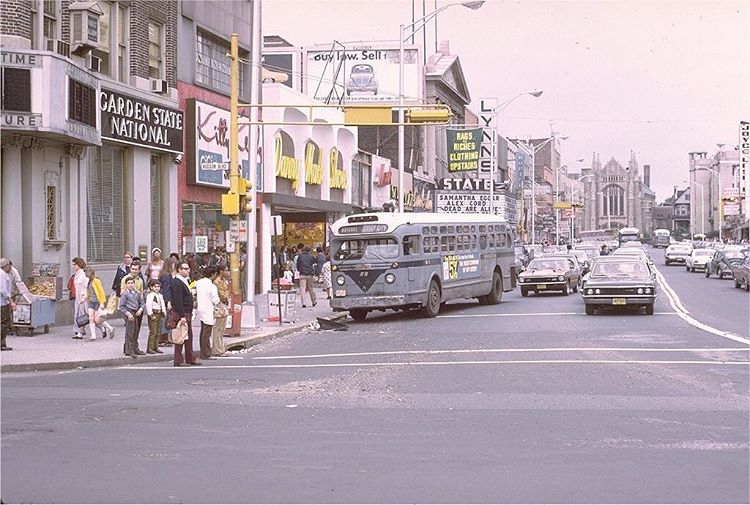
x,y
304,266
165,293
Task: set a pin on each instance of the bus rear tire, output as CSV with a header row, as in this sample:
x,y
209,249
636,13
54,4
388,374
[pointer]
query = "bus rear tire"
x,y
495,295
432,307
358,314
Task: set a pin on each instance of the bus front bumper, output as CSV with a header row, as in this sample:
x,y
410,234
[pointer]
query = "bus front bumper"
x,y
373,302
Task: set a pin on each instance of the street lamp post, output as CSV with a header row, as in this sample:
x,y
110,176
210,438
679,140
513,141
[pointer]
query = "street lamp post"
x,y
534,150
474,5
572,219
493,154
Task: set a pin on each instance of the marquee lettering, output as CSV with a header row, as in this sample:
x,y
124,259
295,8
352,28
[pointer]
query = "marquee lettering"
x,y
338,177
313,171
286,166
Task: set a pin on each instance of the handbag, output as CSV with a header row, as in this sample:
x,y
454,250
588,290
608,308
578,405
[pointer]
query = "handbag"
x,y
173,319
111,304
220,311
82,319
180,333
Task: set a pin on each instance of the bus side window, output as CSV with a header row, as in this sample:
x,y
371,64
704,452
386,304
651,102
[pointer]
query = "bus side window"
x,y
492,240
444,243
411,245
426,244
483,242
452,243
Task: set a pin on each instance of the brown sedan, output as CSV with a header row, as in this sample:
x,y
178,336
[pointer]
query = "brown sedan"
x,y
741,274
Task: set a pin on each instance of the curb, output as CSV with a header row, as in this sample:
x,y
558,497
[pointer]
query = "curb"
x,y
245,342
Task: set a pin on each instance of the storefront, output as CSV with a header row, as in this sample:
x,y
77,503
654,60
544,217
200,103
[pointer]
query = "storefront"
x,y
308,180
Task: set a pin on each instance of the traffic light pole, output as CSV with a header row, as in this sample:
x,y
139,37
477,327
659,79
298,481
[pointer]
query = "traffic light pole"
x,y
234,171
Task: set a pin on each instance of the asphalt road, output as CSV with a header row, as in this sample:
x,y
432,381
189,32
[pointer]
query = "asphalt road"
x,y
528,401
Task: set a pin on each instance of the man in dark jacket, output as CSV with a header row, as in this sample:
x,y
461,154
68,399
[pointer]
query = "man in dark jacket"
x,y
319,260
306,266
122,270
182,305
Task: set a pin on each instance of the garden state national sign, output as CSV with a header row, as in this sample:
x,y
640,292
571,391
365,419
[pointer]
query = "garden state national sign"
x,y
134,121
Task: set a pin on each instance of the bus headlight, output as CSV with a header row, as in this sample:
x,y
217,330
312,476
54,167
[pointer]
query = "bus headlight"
x,y
390,278
598,291
340,280
640,291
560,277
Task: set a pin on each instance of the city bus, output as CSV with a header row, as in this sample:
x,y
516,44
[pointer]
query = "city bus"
x,y
661,238
628,235
400,261
597,235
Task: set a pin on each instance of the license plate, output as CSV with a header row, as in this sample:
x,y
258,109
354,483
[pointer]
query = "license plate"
x,y
619,301
340,292
541,286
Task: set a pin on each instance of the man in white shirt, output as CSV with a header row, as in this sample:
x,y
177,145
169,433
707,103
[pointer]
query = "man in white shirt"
x,y
207,296
7,305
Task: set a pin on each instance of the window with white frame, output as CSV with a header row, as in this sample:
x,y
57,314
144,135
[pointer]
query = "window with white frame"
x,y
155,50
123,34
50,10
103,50
212,65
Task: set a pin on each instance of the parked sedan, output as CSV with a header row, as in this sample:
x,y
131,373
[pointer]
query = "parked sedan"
x,y
741,274
698,259
549,274
677,253
722,261
619,282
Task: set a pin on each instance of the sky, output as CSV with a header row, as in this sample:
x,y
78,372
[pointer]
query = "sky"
x,y
659,78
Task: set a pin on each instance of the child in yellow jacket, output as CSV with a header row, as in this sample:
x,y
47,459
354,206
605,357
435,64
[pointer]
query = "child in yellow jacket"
x,y
96,299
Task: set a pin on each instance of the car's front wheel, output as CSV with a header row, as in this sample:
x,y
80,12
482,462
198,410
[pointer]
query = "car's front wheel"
x,y
650,309
590,310
524,292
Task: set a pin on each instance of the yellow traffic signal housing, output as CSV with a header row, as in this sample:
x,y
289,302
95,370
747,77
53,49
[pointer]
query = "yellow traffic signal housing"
x,y
441,115
244,186
246,203
230,204
364,115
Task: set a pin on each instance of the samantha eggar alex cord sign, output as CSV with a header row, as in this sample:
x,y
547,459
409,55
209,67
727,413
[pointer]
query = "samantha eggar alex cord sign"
x,y
463,149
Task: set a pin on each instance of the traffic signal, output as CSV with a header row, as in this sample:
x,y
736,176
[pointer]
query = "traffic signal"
x,y
577,204
233,204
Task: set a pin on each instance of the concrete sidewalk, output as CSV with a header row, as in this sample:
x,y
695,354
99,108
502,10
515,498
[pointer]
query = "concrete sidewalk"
x,y
58,351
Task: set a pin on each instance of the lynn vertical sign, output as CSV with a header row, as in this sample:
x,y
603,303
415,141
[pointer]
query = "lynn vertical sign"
x,y
486,120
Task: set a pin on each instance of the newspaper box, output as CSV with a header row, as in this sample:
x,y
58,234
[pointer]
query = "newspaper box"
x,y
288,305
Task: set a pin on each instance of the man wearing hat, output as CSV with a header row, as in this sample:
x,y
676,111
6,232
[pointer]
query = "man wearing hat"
x,y
6,301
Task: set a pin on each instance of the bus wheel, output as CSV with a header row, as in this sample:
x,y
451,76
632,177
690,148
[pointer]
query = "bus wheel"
x,y
432,307
358,314
495,295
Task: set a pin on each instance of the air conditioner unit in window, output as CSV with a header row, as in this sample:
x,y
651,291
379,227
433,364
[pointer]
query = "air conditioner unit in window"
x,y
57,46
159,86
84,26
93,63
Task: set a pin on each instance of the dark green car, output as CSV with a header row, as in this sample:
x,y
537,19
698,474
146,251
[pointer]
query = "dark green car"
x,y
723,261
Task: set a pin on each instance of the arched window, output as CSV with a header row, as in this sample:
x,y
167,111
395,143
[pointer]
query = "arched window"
x,y
613,200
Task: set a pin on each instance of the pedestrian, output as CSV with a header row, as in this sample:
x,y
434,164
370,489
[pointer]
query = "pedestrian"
x,y
140,286
154,267
326,274
174,256
131,306
165,279
80,285
208,299
221,313
7,305
288,278
604,251
306,267
95,299
156,311
182,305
123,269
320,258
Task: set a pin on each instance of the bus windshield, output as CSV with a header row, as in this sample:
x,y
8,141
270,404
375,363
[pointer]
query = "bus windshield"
x,y
371,248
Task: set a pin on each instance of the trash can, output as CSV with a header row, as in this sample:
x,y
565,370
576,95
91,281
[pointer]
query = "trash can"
x,y
288,305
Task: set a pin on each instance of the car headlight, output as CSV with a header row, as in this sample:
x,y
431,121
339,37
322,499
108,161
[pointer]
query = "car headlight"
x,y
589,291
640,291
598,291
340,280
560,277
648,291
522,279
390,278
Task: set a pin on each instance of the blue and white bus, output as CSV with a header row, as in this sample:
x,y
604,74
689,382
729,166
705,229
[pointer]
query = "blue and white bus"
x,y
628,235
660,238
401,261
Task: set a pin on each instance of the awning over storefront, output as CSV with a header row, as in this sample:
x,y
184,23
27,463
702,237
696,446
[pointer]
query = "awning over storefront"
x,y
293,203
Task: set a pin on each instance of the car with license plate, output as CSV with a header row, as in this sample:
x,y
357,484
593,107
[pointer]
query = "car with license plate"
x,y
677,253
741,274
722,262
556,274
619,282
698,259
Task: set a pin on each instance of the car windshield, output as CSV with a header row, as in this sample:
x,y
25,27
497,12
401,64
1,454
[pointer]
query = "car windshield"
x,y
703,252
361,69
543,264
620,268
730,255
373,248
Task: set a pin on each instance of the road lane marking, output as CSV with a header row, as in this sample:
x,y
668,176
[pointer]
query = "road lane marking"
x,y
536,314
504,350
676,304
454,363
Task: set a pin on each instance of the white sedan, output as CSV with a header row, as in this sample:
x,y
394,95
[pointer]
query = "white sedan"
x,y
698,259
677,253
